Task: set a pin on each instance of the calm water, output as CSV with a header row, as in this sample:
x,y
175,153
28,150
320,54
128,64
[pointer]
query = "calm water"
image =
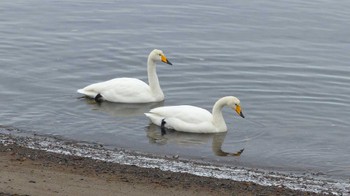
x,y
288,62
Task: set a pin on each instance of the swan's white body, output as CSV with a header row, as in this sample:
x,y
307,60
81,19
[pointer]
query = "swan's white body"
x,y
131,90
193,119
123,90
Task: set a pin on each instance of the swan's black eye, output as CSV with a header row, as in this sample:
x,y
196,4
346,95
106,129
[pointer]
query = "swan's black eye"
x,y
160,54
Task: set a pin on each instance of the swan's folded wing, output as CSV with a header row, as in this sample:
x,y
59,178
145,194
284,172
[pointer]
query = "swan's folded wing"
x,y
127,90
184,113
183,118
190,127
93,89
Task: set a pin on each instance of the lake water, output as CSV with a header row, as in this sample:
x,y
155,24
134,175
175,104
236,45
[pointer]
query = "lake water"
x,y
288,63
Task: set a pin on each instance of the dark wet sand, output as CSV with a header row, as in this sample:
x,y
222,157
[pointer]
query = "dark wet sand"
x,y
35,172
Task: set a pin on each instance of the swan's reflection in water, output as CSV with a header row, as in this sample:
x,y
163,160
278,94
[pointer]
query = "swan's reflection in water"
x,y
154,132
122,109
155,136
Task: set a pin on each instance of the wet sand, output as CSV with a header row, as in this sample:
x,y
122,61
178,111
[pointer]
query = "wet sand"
x,y
26,171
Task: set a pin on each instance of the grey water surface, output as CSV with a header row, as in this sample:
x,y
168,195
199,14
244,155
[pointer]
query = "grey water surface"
x,y
287,61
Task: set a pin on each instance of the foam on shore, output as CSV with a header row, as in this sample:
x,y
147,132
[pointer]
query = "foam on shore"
x,y
303,182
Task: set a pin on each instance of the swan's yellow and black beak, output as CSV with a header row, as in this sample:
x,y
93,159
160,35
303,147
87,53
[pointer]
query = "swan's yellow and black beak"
x,y
239,111
165,60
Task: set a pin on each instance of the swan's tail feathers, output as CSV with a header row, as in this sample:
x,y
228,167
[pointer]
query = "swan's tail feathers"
x,y
81,91
154,118
149,115
87,93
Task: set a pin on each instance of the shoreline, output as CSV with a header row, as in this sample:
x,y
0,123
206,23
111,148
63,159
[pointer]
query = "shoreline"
x,y
28,171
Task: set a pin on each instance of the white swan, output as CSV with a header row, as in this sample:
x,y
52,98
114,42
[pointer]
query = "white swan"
x,y
130,90
193,119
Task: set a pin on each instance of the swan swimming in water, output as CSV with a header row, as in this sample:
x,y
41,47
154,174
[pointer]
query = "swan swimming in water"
x,y
130,90
193,119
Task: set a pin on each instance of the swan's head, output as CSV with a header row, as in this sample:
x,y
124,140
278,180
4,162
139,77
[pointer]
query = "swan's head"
x,y
235,104
158,55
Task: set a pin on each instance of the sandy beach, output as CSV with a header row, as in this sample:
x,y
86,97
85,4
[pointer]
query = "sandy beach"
x,y
26,171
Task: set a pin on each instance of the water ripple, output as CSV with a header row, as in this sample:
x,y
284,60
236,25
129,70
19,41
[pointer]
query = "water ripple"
x,y
286,61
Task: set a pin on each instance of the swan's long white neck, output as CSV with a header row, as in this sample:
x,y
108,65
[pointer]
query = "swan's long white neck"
x,y
153,78
218,119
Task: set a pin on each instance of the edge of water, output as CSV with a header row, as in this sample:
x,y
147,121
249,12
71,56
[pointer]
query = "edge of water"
x,y
303,182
